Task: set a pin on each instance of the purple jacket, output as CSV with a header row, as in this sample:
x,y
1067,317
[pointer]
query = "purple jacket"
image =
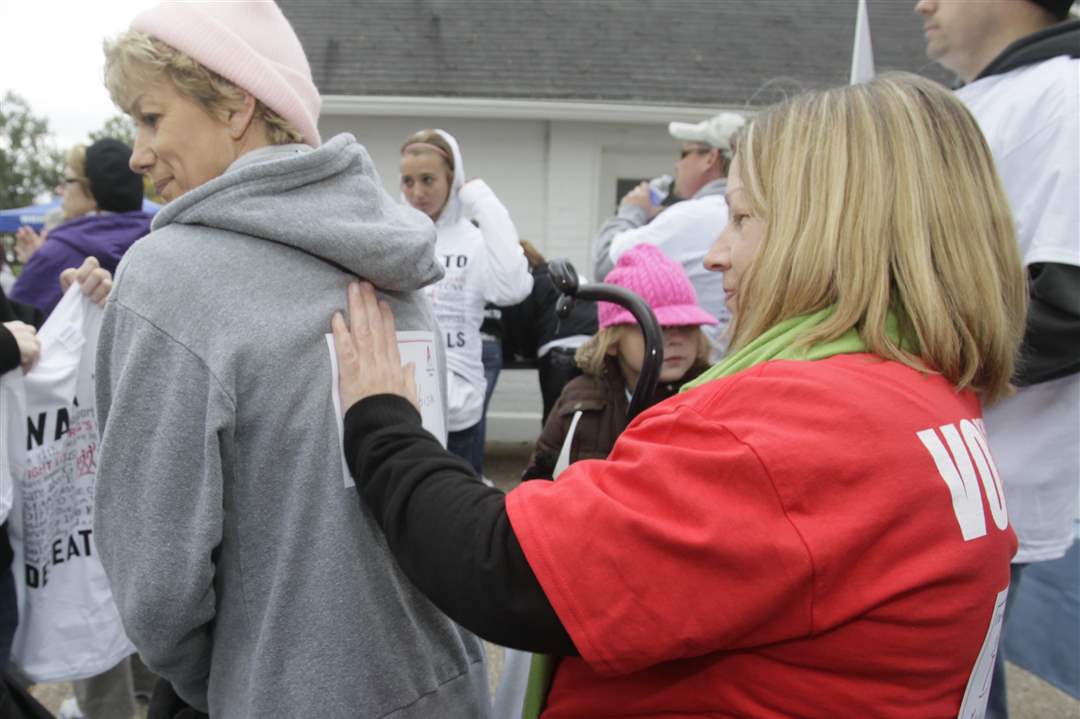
x,y
106,237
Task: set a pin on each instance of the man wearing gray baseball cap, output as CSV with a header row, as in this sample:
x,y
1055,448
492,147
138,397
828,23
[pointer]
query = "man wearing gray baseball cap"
x,y
683,231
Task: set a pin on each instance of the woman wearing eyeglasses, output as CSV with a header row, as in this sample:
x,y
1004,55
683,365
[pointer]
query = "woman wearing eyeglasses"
x,y
102,218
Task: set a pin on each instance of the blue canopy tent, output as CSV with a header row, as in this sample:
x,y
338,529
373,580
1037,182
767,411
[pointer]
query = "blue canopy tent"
x,y
34,215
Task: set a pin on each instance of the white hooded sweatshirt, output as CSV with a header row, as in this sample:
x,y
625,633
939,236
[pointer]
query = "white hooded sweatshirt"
x,y
483,263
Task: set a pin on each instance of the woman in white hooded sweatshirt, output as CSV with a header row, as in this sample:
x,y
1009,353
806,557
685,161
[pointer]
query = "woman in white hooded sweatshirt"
x,y
478,247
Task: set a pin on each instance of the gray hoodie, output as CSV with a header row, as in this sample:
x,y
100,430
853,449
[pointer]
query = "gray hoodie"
x,y
244,569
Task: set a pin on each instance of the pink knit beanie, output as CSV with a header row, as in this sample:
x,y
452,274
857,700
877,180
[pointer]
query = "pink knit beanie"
x,y
661,282
251,44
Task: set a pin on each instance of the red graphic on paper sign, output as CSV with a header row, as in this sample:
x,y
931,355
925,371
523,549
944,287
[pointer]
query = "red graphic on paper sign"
x,y
86,462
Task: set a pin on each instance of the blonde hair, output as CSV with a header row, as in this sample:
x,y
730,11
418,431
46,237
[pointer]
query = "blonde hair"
x,y
591,357
883,198
135,59
75,158
430,137
532,255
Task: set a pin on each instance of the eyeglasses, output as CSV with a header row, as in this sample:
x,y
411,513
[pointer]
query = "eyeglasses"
x,y
697,150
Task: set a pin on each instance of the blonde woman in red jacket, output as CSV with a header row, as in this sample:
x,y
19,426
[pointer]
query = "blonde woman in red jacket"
x,y
816,527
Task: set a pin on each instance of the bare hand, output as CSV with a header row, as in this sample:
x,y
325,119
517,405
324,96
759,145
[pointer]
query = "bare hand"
x,y
27,242
641,197
367,350
96,282
29,344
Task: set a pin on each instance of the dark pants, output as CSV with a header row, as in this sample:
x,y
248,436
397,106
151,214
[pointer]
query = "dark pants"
x,y
467,444
9,614
997,706
556,368
15,702
492,357
166,704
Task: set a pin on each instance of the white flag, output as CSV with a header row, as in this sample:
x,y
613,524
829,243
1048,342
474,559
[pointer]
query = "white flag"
x,y
862,53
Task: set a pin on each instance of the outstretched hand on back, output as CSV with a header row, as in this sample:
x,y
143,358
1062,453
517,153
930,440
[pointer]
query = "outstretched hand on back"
x,y
367,351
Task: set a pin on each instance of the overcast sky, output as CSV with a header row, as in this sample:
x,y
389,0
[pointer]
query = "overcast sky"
x,y
51,56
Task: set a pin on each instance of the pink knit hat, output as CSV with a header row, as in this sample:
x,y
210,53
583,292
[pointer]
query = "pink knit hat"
x,y
661,282
250,44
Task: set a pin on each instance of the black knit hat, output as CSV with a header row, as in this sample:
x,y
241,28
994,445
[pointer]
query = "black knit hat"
x,y
112,183
1058,8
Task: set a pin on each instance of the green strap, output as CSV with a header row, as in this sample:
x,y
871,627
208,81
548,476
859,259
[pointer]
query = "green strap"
x,y
541,670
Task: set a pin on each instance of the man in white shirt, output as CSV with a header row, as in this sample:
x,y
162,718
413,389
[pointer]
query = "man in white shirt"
x,y
1018,59
685,230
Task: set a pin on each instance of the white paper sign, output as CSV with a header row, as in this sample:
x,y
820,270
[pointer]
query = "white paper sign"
x,y
69,627
977,692
417,347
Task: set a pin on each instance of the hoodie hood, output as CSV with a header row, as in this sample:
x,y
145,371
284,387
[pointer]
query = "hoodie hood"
x,y
714,187
106,236
327,202
1060,39
452,211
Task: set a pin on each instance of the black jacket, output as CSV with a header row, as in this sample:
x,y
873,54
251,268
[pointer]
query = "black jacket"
x,y
9,312
9,360
532,323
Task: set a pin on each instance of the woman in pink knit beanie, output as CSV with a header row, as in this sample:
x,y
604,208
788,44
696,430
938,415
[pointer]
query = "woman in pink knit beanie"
x,y
240,64
249,578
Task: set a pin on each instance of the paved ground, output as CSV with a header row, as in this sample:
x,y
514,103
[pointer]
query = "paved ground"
x,y
1029,696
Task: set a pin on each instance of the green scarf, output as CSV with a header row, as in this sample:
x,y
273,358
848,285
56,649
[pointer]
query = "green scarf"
x,y
776,343
779,342
541,671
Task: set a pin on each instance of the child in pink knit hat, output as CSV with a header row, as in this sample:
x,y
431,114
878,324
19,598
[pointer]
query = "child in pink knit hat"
x,y
612,359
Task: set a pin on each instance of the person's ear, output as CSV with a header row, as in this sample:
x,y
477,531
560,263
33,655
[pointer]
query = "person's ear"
x,y
613,347
716,160
240,120
723,163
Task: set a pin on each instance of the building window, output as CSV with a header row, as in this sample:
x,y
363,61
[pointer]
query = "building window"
x,y
624,185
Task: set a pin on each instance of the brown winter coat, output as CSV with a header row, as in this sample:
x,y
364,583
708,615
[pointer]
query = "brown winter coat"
x,y
603,402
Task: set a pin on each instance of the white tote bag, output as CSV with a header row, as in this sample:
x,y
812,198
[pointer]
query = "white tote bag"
x,y
69,627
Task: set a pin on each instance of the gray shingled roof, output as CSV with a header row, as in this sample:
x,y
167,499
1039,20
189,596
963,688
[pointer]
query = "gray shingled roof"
x,y
715,52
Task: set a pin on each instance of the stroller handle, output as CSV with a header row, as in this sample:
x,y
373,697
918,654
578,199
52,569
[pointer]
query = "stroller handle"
x,y
566,281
